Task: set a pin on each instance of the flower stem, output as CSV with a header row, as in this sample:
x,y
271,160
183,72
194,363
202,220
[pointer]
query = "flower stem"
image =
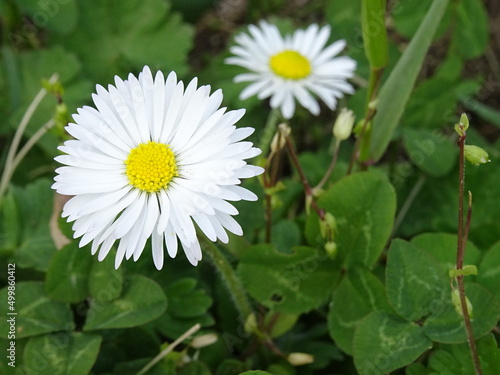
x,y
269,130
31,142
330,167
461,241
408,202
356,151
9,163
231,280
307,188
169,348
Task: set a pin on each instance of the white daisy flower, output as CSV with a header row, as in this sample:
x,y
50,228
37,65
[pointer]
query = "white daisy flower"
x,y
292,67
150,159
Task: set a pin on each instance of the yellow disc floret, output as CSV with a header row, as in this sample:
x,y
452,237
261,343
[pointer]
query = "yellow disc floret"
x,y
290,65
151,166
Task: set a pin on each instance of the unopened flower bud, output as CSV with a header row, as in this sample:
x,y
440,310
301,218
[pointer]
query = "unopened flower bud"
x,y
462,125
204,340
328,226
476,155
300,359
343,125
279,139
455,299
331,249
251,325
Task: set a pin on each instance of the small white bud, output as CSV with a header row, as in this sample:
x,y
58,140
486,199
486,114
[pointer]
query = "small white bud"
x,y
204,340
343,124
300,359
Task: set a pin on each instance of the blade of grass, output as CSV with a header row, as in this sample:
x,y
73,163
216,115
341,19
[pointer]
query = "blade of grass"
x,y
397,89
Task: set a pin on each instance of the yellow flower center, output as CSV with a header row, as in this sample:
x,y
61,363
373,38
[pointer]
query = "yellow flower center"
x,y
290,65
151,166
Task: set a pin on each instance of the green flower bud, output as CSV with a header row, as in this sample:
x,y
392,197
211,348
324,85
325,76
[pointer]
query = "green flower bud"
x,y
331,249
455,299
328,226
462,126
343,125
476,155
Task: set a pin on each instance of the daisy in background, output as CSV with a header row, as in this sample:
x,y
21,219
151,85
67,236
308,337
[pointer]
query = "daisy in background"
x,y
150,159
293,67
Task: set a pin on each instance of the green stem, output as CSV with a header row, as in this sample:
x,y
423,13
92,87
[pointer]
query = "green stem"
x,y
169,348
232,282
409,201
9,163
461,254
30,143
303,179
330,167
269,131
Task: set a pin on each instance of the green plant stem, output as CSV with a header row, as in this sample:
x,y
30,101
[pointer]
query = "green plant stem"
x,y
307,188
330,167
269,218
355,152
408,202
269,131
169,348
229,276
31,142
461,254
9,165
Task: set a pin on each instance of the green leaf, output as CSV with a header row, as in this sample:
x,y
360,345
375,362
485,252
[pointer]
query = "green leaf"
x,y
470,35
416,284
344,15
36,314
231,366
57,16
363,205
433,153
285,235
383,343
142,301
416,369
34,204
288,283
484,111
105,282
256,372
443,247
194,368
173,327
446,88
118,30
374,32
10,228
456,359
446,326
390,107
407,17
185,300
68,274
489,270
280,323
38,64
61,353
359,293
